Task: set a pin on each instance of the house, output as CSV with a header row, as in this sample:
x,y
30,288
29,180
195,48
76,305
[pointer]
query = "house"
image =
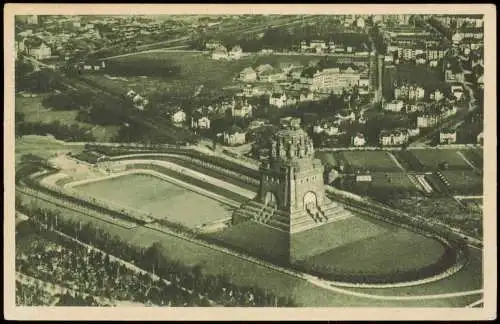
x,y
179,117
453,72
457,90
394,137
131,94
212,45
394,105
248,75
437,95
427,120
412,132
409,92
256,124
234,136
273,77
241,108
346,115
200,122
447,136
278,99
220,53
264,69
306,96
236,52
37,48
359,140
480,138
328,127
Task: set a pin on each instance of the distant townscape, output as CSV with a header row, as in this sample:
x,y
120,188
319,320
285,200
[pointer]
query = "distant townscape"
x,y
249,160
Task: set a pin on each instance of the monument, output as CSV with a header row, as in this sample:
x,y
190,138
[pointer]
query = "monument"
x,y
291,198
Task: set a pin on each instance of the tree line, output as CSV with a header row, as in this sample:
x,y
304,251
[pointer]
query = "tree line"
x,y
216,287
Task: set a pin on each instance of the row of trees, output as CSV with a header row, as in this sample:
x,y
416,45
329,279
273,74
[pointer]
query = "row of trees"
x,y
71,133
215,287
92,272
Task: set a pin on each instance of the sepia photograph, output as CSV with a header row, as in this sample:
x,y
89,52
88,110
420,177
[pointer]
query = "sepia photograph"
x,y
250,162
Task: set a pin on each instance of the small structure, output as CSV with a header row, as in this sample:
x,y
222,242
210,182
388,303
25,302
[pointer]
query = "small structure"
x,y
394,137
359,140
447,136
179,117
234,136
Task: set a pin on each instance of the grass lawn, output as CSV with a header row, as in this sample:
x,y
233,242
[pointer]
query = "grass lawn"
x,y
34,111
370,160
196,69
383,254
392,180
42,146
247,273
430,159
475,156
159,197
464,182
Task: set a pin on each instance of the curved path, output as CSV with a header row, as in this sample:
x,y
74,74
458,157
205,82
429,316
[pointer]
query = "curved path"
x,y
311,279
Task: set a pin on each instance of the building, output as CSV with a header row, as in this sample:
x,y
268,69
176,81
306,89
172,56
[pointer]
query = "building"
x,y
236,53
447,136
359,140
241,108
220,53
264,69
248,75
394,137
37,48
436,95
234,136
278,100
480,138
200,122
427,120
453,72
394,105
290,207
212,45
179,117
409,92
335,80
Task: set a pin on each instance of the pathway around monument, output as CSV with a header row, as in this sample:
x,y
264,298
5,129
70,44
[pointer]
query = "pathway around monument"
x,y
314,280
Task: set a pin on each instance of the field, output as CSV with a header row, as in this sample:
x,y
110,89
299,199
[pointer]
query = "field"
x,y
397,250
34,111
464,182
160,198
195,69
396,180
475,156
428,160
374,161
42,146
248,273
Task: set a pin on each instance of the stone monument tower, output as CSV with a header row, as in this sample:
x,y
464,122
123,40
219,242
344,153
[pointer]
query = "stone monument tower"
x,y
291,196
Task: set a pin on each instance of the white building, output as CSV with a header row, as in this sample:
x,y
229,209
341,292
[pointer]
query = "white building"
x,y
359,140
200,123
220,53
394,105
179,117
236,53
248,75
447,137
234,136
395,137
